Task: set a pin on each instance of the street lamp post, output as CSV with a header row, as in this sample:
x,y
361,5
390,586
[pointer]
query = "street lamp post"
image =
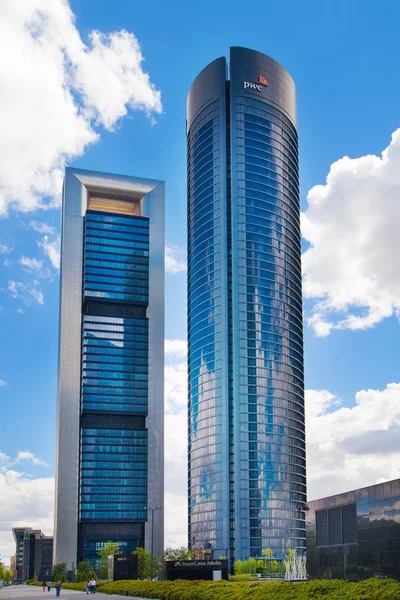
x,y
149,508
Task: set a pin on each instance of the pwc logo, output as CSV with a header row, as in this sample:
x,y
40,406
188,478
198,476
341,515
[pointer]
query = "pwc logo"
x,y
257,85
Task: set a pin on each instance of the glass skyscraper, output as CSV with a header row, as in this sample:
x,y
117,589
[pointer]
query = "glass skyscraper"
x,y
247,475
110,445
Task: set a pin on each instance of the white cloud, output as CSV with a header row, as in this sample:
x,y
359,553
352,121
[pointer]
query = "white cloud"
x,y
52,249
28,502
6,462
27,455
175,259
4,248
4,458
41,227
176,522
175,443
37,295
175,349
54,91
176,387
7,263
29,292
348,448
36,267
20,311
351,269
3,383
31,264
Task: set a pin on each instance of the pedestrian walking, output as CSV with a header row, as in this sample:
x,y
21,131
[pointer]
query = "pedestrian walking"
x,y
44,586
48,586
87,586
58,588
92,586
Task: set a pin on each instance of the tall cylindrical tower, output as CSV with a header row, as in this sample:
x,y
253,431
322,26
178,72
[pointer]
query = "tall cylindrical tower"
x,y
247,485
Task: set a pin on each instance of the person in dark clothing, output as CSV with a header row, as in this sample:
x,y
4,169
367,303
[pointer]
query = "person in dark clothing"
x,y
48,586
58,588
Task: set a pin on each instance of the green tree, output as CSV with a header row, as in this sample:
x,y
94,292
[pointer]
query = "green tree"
x,y
144,561
181,553
260,566
271,567
266,553
238,567
250,566
8,576
106,551
84,571
60,572
83,567
2,570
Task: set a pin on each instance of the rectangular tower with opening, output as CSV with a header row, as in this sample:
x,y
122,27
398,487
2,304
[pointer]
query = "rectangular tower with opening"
x,y
110,414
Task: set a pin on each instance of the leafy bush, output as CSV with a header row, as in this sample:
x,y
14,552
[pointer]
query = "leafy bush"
x,y
371,589
60,572
79,587
85,576
242,577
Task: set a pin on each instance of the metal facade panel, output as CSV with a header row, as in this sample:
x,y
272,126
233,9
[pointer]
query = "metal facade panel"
x,y
69,374
153,207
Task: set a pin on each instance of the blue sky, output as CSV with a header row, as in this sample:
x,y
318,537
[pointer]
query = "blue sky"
x,y
344,58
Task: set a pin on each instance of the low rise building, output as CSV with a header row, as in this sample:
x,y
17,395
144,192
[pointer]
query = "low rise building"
x,y
34,552
355,535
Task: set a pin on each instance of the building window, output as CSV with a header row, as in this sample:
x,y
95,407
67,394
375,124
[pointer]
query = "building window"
x,y
336,526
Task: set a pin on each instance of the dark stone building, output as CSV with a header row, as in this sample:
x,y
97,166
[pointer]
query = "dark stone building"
x,y
355,535
34,553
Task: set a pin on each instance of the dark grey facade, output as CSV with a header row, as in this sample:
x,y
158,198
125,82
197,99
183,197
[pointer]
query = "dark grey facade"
x,y
247,479
110,417
355,535
34,553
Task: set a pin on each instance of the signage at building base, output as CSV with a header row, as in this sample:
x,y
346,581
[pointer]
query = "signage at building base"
x,y
212,570
198,563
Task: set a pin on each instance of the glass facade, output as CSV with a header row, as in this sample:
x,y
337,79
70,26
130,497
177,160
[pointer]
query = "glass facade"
x,y
355,535
204,309
246,399
114,460
270,357
116,258
113,474
114,364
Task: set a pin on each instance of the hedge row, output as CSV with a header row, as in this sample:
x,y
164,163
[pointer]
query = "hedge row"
x,y
370,589
70,586
243,577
